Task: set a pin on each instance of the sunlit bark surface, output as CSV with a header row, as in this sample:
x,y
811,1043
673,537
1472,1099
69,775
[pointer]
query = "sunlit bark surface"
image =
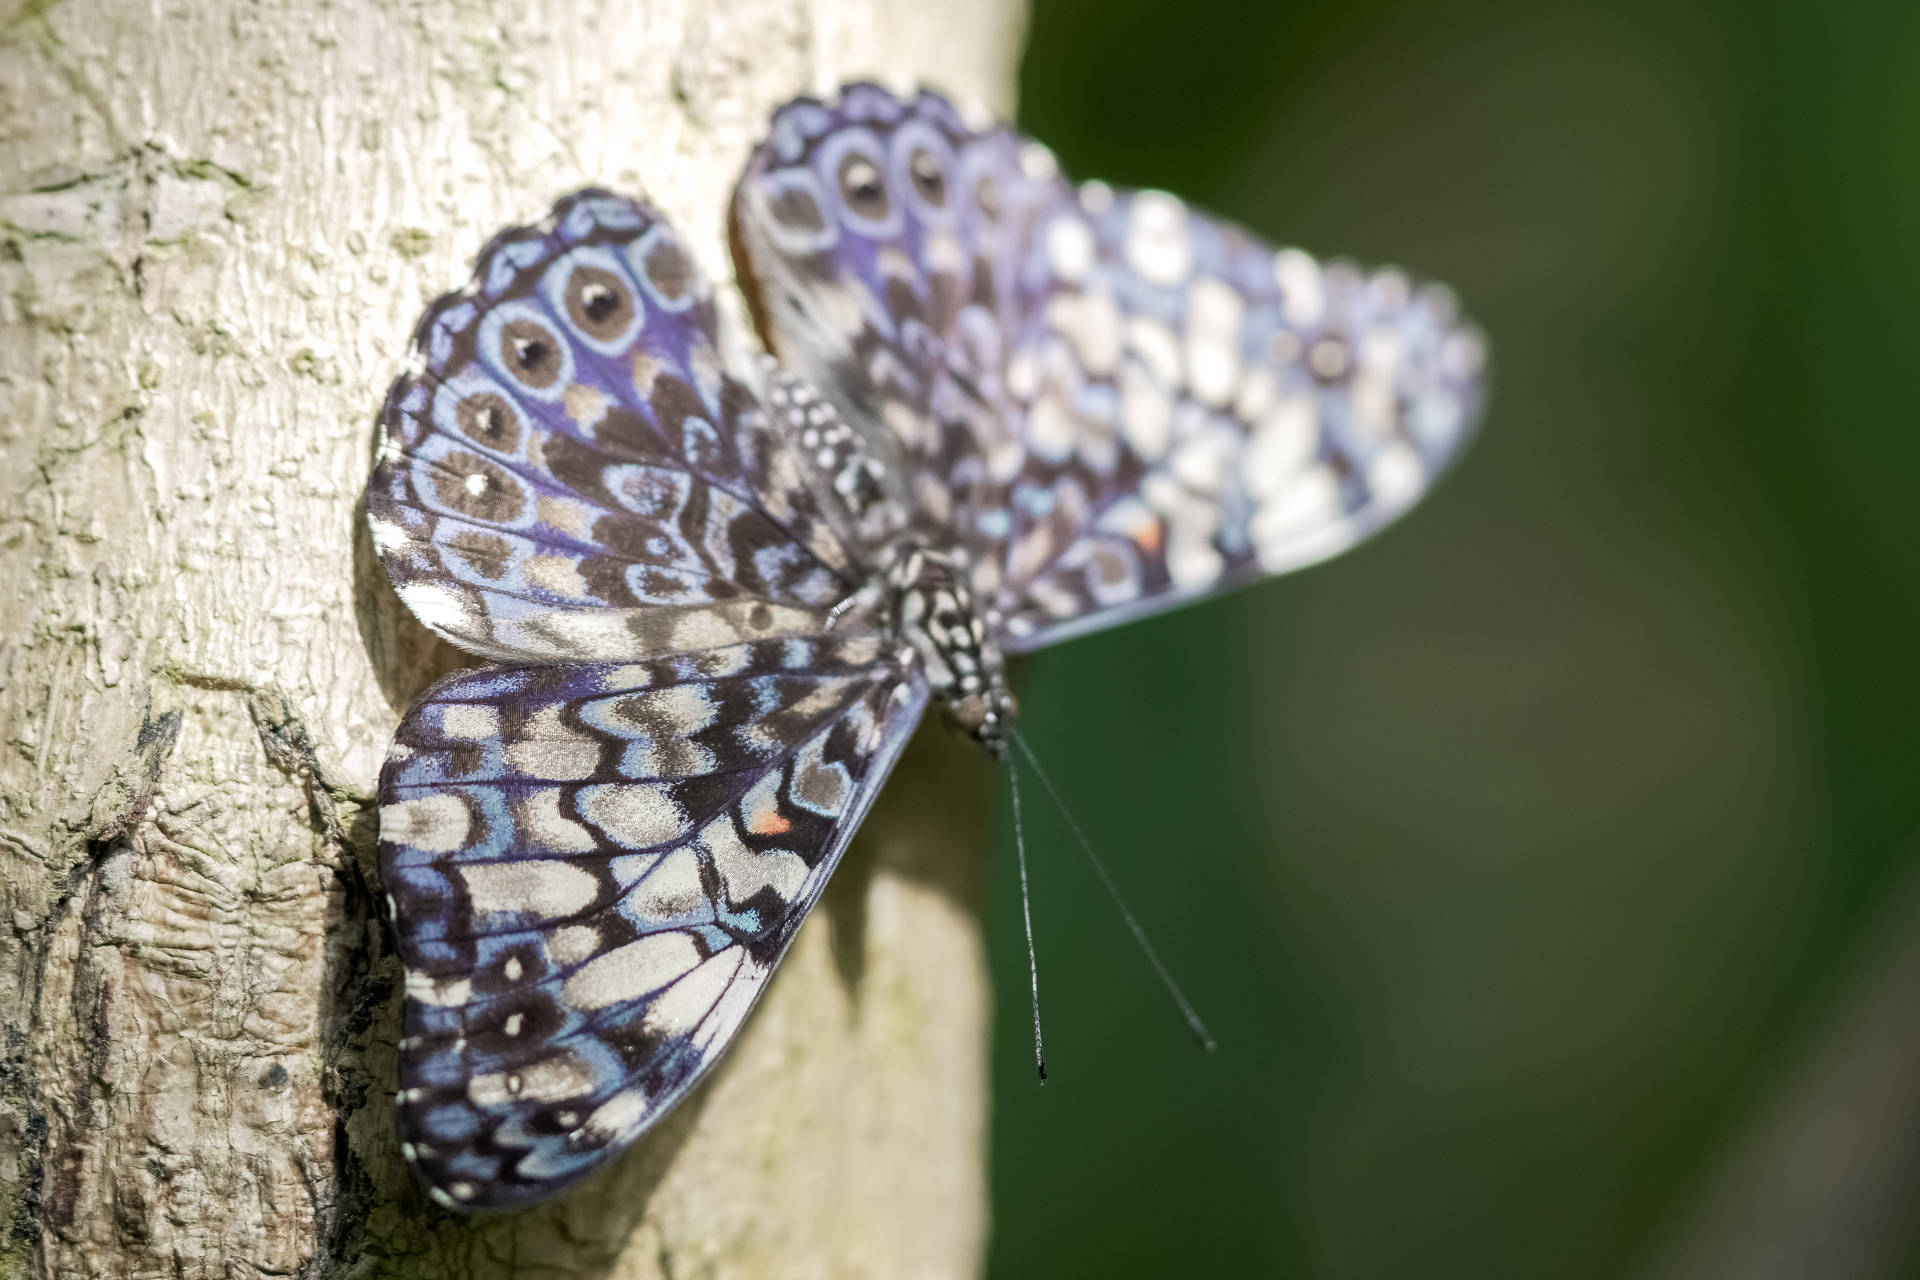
x,y
218,223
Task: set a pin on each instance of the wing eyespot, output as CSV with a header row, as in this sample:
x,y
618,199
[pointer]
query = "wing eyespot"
x,y
791,205
469,485
929,177
599,302
488,420
530,353
795,207
862,188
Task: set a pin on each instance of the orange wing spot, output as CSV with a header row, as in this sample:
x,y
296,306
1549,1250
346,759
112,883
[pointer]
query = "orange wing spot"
x,y
1148,538
765,820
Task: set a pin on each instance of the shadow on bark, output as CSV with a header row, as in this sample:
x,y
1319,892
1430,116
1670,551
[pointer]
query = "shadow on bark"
x,y
404,656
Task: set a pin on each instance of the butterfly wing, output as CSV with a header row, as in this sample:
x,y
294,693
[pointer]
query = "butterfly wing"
x,y
594,865
1119,403
887,288
593,869
1200,410
569,474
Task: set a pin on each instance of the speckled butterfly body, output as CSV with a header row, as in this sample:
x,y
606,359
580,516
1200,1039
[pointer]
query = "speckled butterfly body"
x,y
1008,410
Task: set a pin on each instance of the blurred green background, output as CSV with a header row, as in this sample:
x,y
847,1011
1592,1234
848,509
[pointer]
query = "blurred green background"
x,y
1520,857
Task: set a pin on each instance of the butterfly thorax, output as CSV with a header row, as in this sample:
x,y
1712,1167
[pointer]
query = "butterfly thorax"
x,y
922,586
935,616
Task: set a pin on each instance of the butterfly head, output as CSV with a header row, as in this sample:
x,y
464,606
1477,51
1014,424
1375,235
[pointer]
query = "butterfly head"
x,y
985,717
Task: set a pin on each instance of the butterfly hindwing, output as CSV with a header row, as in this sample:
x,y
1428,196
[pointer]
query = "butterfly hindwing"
x,y
1118,403
593,870
570,474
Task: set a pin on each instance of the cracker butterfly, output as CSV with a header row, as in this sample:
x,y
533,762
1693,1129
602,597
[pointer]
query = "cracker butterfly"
x,y
1007,410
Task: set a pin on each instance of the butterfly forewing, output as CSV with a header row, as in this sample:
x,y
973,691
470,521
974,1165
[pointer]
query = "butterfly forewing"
x,y
593,870
1115,402
879,241
571,475
1199,410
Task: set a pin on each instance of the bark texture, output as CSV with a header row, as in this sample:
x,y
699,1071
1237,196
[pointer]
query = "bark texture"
x,y
218,223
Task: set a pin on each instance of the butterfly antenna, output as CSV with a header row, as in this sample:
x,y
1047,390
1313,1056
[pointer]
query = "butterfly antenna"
x,y
1187,1012
1026,912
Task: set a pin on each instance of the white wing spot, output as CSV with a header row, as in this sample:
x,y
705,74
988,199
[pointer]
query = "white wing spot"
x,y
629,972
1301,296
388,537
1214,311
732,1009
1463,355
1292,523
540,887
1257,392
469,724
1282,443
1038,163
1091,322
617,1114
1154,343
681,1007
634,814
669,889
437,823
704,629
1146,414
744,872
1396,474
548,1080
436,606
1158,247
559,576
549,750
447,993
571,944
539,813
1050,427
1192,561
1070,247
1204,460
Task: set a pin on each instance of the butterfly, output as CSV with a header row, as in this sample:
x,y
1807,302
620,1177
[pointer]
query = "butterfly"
x,y
1005,410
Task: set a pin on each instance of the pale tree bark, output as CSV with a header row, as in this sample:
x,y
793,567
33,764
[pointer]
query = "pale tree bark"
x,y
218,222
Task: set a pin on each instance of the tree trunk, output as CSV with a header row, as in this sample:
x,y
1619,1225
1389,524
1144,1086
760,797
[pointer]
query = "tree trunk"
x,y
218,223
